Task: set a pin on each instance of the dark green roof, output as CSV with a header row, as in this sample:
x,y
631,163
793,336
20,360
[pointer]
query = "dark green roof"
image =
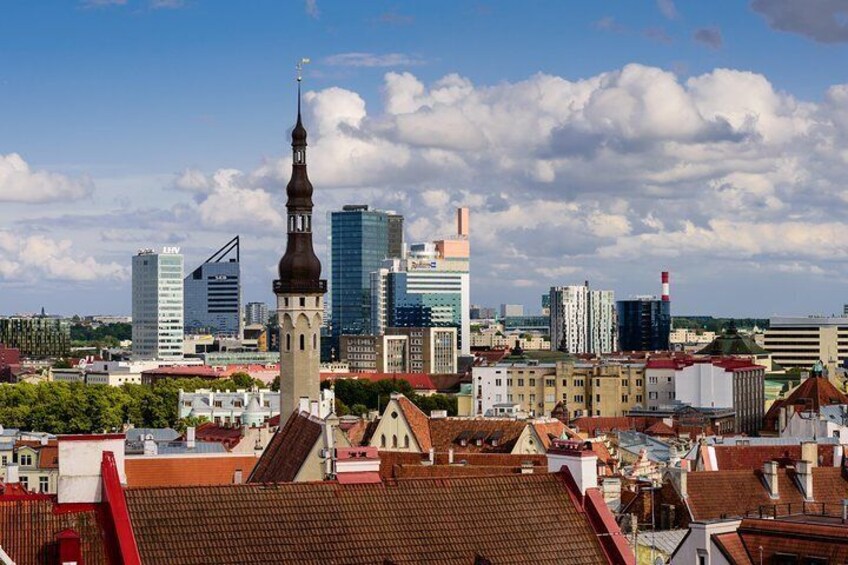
x,y
730,342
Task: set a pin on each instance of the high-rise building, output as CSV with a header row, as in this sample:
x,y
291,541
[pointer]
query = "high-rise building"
x,y
361,239
511,310
644,323
300,289
213,293
36,336
430,287
157,304
431,350
798,342
255,313
582,320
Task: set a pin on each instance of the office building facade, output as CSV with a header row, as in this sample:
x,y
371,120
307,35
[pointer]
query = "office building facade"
x,y
798,342
431,350
36,337
157,304
644,324
359,241
212,294
255,313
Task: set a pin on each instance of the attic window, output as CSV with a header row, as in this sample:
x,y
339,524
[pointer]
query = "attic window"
x,y
478,438
495,438
394,414
462,438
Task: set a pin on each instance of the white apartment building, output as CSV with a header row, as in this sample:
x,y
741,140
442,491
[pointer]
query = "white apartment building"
x,y
157,304
240,408
797,342
582,320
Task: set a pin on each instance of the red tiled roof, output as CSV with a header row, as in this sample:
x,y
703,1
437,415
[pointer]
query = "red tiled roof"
x,y
719,494
752,457
418,422
406,521
446,431
287,450
551,430
360,432
399,464
209,431
660,429
174,471
29,525
810,395
731,546
802,538
609,423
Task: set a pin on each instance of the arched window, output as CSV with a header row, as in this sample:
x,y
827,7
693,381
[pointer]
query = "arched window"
x,y
314,341
302,342
383,440
406,441
288,342
394,441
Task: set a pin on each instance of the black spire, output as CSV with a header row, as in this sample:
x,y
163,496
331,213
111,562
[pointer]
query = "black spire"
x,y
299,269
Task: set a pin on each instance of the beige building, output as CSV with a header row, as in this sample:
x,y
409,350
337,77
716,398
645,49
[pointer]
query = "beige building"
x,y
431,350
493,338
800,342
376,354
595,388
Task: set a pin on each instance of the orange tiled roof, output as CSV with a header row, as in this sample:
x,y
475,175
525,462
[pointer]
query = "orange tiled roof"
x,y
418,422
731,546
803,538
753,456
547,429
404,521
811,395
660,429
399,464
175,471
287,450
445,431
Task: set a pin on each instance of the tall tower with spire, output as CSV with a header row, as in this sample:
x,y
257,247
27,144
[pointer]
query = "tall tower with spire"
x,y
300,289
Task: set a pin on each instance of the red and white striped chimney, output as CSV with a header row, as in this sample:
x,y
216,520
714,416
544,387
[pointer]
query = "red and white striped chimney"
x,y
665,288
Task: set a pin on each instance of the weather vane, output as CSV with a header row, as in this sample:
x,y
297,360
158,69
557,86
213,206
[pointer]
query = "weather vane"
x,y
299,68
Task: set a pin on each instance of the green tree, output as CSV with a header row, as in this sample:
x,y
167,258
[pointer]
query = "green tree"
x,y
242,379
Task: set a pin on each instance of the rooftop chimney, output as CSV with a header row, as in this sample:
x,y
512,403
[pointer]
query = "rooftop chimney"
x,y
12,476
450,456
770,476
357,465
580,460
190,443
150,447
804,472
69,547
810,452
462,221
665,287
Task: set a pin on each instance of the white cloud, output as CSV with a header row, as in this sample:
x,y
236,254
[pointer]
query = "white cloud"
x,y
667,8
30,258
311,8
19,183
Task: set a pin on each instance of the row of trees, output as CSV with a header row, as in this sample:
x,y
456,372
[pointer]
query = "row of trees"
x,y
708,323
76,408
108,335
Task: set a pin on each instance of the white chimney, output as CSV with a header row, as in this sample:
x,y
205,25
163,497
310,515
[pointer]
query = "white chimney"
x,y
190,435
12,476
770,476
43,440
432,455
450,456
838,453
80,460
303,405
580,460
804,470
150,446
237,477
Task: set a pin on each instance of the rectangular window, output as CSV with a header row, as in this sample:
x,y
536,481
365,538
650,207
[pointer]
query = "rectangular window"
x,y
24,482
638,398
638,382
564,382
597,398
26,460
498,382
509,382
532,382
550,382
42,484
532,398
520,382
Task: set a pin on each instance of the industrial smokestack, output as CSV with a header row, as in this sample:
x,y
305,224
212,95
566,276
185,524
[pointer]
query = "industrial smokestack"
x,y
665,288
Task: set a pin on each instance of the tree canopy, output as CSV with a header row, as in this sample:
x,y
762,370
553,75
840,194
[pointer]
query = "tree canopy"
x,y
355,396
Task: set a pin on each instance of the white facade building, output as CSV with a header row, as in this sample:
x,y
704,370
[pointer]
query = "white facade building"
x,y
830,421
582,320
157,304
241,408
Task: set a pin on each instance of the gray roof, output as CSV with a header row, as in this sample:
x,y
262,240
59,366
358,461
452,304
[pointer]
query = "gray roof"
x,y
657,450
176,447
744,440
159,434
665,540
837,413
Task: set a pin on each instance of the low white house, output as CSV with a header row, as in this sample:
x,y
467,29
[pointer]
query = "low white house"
x,y
829,421
240,408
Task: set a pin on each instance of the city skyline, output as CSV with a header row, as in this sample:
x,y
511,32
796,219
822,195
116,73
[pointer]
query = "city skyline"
x,y
679,143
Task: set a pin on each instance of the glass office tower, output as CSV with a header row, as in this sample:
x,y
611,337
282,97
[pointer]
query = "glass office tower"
x,y
644,324
213,294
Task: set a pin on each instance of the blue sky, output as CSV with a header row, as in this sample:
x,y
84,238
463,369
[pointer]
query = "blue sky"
x,y
592,140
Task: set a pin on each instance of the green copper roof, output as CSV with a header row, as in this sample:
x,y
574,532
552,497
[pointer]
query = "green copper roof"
x,y
730,342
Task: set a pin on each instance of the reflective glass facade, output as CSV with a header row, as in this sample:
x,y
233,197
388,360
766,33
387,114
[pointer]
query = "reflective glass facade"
x,y
213,299
643,325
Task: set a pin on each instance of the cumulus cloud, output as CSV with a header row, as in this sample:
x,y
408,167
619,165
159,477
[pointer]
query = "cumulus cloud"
x,y
20,183
373,60
609,175
709,36
30,258
825,21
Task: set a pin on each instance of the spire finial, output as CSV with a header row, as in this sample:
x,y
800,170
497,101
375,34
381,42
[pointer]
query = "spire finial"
x,y
299,68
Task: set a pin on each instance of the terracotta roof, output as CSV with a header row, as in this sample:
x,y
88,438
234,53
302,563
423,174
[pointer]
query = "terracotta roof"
x,y
609,423
660,429
360,432
446,434
399,464
798,536
753,456
185,471
720,494
29,524
405,521
209,431
418,422
287,450
551,430
731,546
813,393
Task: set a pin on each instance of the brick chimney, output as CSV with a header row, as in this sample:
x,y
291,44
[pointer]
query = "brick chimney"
x,y
580,460
804,472
770,469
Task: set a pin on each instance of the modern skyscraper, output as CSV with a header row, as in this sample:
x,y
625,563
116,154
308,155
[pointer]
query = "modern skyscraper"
x,y
213,293
255,313
644,323
430,287
300,289
157,304
582,320
36,336
361,239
